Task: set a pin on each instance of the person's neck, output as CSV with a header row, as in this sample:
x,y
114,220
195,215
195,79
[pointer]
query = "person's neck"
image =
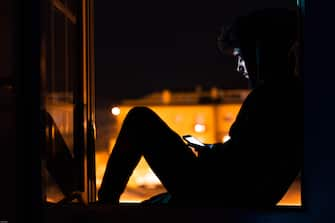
x,y
274,70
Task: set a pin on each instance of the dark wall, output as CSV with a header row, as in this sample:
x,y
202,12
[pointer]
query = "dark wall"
x,y
7,114
19,111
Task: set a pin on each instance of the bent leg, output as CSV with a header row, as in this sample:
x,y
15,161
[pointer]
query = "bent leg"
x,y
144,133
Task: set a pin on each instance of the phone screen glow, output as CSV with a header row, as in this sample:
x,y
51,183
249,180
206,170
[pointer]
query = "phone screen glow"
x,y
194,141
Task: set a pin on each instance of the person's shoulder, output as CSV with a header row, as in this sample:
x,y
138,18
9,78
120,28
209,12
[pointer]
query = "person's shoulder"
x,y
272,92
258,91
280,87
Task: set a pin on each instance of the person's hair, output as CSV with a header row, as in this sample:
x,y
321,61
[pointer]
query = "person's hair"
x,y
274,28
272,32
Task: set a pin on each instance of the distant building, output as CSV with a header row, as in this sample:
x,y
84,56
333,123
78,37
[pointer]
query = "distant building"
x,y
199,96
207,115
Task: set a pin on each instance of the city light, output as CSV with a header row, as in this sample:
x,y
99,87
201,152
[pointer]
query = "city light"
x,y
226,138
116,111
199,127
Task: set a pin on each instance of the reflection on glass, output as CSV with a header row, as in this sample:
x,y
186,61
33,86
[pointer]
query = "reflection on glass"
x,y
59,77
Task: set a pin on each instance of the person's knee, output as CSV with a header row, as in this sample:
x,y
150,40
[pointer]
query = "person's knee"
x,y
140,111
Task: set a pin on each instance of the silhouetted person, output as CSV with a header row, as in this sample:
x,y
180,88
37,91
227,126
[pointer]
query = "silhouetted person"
x,y
256,166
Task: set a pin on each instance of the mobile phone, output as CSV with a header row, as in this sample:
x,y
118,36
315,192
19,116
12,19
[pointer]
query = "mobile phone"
x,y
193,141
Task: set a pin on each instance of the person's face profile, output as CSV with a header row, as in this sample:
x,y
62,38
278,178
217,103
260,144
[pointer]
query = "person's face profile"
x,y
241,67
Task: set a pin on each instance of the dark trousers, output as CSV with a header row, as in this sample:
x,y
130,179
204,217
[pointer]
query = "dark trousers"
x,y
143,133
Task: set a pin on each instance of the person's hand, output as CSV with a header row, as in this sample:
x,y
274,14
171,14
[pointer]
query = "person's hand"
x,y
199,148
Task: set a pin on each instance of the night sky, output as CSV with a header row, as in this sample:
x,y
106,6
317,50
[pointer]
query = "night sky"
x,y
145,46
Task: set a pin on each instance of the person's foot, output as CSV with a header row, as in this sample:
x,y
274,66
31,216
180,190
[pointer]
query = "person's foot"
x,y
107,199
108,202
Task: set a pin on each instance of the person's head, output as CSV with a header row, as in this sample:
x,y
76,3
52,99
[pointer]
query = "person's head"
x,y
262,41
